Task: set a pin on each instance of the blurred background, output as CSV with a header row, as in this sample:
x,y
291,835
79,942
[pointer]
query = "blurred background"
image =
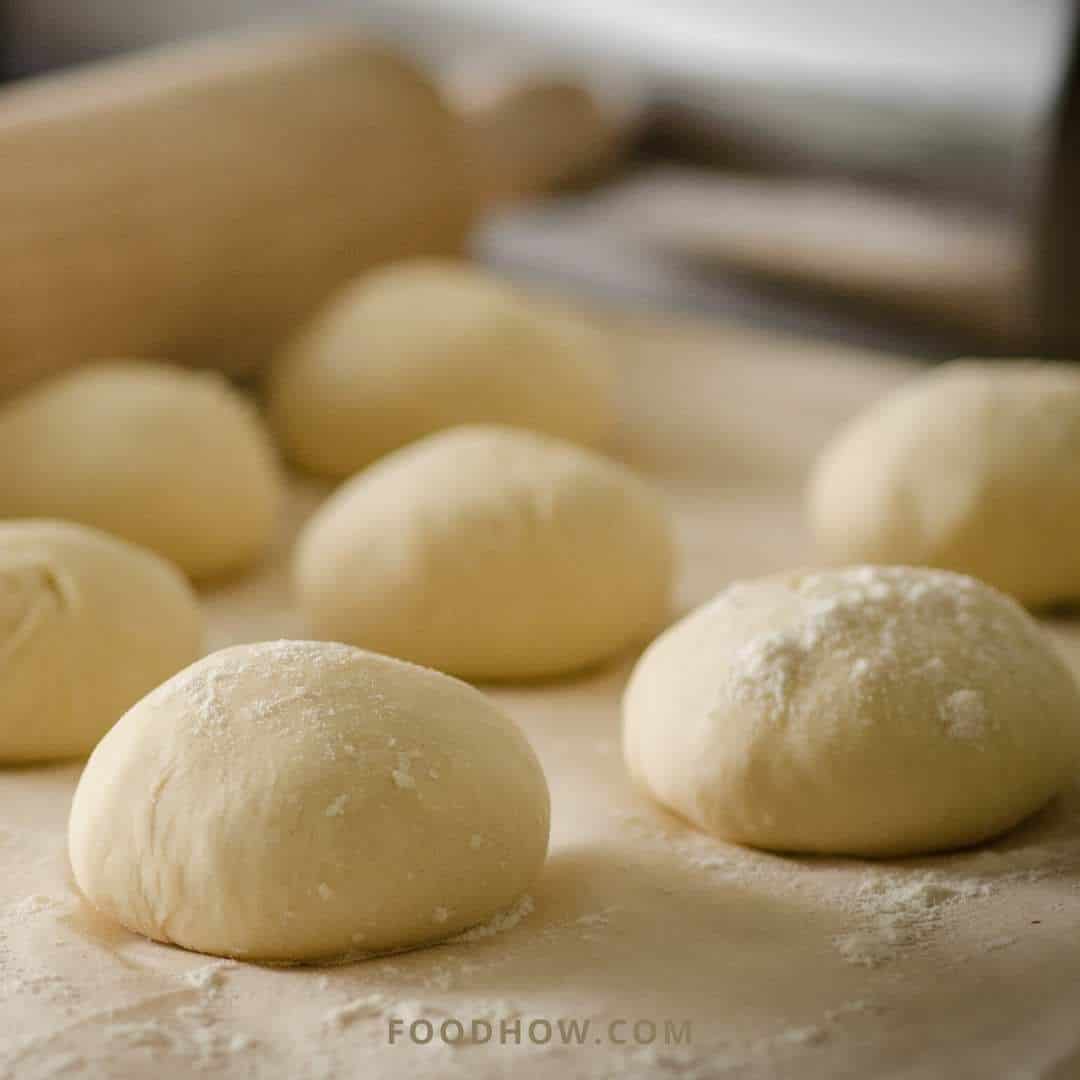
x,y
899,175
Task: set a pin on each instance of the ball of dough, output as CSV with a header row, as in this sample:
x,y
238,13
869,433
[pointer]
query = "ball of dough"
x,y
971,468
297,800
88,624
427,345
174,460
491,553
865,711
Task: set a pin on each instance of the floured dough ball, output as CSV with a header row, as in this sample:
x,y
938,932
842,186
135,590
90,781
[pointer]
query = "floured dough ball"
x,y
971,468
88,624
426,345
298,800
866,711
491,553
174,460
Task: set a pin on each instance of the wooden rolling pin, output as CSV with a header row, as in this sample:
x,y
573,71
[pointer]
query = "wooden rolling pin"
x,y
196,204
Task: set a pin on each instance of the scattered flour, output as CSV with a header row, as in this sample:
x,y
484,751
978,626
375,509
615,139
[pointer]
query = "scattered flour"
x,y
896,911
500,923
31,905
852,1008
152,1034
812,1035
209,978
656,1061
964,715
891,909
192,1035
402,775
859,625
595,918
369,1005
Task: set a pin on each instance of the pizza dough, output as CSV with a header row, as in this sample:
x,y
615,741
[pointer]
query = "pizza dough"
x,y
88,624
296,800
971,468
426,345
170,459
491,553
864,711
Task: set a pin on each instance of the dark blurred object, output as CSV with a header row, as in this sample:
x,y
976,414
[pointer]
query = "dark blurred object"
x,y
1057,254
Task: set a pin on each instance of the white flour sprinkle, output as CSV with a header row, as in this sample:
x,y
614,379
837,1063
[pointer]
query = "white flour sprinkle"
x,y
764,670
859,622
148,1033
324,891
811,1035
31,905
337,807
897,911
964,715
359,1008
402,775
860,668
890,911
210,977
503,921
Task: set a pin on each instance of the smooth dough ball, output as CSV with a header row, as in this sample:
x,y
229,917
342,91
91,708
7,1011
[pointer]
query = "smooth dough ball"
x,y
427,345
171,459
971,468
867,711
88,624
297,800
491,553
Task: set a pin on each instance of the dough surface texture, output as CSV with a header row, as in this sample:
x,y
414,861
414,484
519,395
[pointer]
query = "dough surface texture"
x,y
297,801
970,468
173,460
88,625
491,553
869,711
427,345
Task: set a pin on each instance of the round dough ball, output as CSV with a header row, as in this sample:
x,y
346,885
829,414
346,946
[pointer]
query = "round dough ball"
x,y
865,711
88,624
490,553
296,800
171,459
971,468
427,345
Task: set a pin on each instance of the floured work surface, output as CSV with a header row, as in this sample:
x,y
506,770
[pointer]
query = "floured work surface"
x,y
721,961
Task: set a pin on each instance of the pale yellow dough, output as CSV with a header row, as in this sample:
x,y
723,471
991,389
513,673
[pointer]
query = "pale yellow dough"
x,y
430,344
171,459
88,624
865,711
974,467
491,553
298,801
